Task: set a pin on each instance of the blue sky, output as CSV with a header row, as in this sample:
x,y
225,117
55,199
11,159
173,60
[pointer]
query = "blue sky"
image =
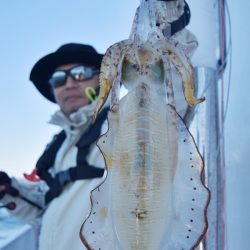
x,y
31,29
237,133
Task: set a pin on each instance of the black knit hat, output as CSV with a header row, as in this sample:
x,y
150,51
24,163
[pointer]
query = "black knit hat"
x,y
67,53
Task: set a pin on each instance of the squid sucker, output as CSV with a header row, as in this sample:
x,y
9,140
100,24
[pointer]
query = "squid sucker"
x,y
152,197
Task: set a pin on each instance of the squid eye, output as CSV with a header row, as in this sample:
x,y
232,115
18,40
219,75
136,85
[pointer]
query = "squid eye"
x,y
158,70
128,70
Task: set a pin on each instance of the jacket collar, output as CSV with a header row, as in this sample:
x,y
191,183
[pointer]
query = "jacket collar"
x,y
77,120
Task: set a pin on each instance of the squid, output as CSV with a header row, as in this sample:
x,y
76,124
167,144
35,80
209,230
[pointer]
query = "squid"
x,y
153,197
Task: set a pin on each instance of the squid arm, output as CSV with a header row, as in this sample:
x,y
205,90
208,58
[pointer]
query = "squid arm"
x,y
186,71
182,64
109,72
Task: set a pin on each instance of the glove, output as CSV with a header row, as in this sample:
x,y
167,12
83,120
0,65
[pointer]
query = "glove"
x,y
5,182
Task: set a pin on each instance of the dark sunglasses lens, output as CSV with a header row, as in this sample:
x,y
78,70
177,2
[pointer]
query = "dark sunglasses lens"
x,y
57,79
81,73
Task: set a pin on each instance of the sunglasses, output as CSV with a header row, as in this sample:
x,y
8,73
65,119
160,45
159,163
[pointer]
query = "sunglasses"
x,y
78,73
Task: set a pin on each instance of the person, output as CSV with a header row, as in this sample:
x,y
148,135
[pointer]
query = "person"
x,y
58,190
